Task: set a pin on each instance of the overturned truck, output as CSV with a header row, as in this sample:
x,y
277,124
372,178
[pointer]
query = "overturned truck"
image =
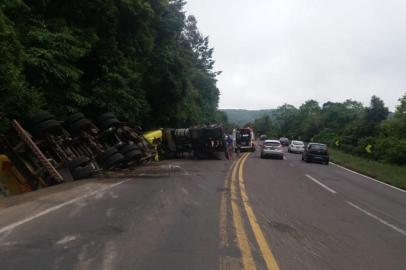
x,y
47,151
201,142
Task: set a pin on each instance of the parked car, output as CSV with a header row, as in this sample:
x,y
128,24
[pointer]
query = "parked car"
x,y
272,148
284,141
317,152
296,147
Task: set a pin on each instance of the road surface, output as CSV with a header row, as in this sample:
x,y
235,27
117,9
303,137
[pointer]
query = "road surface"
x,y
248,213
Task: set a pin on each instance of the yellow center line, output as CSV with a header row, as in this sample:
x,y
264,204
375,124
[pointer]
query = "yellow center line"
x,y
259,236
242,239
223,210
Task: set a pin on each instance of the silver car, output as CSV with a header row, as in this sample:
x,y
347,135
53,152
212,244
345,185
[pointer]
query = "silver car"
x,y
272,148
296,147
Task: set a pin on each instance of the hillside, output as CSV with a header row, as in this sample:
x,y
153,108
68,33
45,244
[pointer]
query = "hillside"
x,y
242,117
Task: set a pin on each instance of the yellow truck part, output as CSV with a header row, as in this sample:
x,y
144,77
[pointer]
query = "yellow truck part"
x,y
11,181
154,137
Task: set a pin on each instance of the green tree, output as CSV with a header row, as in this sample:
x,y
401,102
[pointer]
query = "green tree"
x,y
264,125
309,108
16,97
286,117
376,112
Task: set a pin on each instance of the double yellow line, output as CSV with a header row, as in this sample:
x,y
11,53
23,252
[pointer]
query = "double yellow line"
x,y
240,228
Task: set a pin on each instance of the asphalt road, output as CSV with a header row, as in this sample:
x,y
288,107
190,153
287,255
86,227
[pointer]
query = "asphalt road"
x,y
248,213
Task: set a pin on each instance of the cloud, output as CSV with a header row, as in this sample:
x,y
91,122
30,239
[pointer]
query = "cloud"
x,y
272,52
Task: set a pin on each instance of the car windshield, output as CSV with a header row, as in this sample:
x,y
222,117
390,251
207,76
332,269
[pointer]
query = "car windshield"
x,y
297,143
318,147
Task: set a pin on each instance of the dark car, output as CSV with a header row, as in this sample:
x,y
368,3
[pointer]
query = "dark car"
x,y
316,152
284,141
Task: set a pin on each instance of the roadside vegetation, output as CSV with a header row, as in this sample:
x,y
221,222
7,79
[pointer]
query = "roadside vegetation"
x,y
372,132
145,61
388,173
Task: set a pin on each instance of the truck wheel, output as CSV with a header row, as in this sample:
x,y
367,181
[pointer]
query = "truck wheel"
x,y
82,172
109,123
39,117
81,161
105,116
132,156
106,154
127,148
73,118
45,127
80,125
113,161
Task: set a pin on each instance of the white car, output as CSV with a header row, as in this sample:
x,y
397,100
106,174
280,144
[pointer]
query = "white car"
x,y
272,148
296,147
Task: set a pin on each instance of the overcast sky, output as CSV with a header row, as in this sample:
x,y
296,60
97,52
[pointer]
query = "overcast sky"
x,y
287,51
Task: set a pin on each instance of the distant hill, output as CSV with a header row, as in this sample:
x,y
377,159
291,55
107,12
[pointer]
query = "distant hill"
x,y
241,117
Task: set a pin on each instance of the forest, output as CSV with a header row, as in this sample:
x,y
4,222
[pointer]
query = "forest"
x,y
146,61
348,126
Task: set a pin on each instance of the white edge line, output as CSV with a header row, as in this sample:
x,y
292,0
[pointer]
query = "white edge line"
x,y
368,177
58,206
377,218
321,184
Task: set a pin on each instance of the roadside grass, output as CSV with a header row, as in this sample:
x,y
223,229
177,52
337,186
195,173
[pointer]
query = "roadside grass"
x,y
391,174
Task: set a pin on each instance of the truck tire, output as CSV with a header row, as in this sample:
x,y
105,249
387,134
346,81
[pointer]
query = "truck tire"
x,y
109,123
82,172
134,155
113,161
127,148
106,154
105,116
73,118
80,125
39,117
81,161
43,128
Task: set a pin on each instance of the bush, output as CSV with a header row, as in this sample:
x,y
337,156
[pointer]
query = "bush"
x,y
392,150
326,136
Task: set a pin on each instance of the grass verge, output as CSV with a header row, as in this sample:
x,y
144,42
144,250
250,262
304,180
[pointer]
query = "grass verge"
x,y
392,174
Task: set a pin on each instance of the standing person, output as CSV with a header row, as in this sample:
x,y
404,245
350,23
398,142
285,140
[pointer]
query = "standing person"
x,y
229,141
238,148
